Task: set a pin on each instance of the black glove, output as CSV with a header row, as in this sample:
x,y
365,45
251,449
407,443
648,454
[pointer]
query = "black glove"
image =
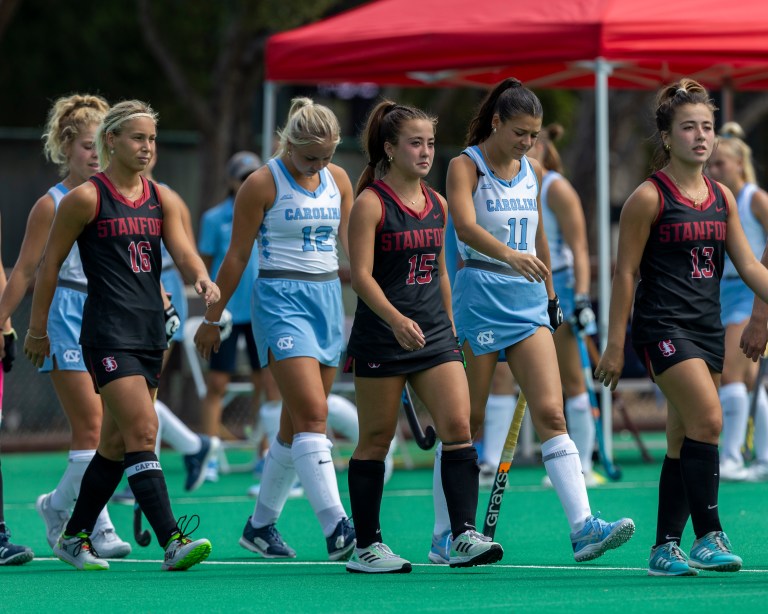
x,y
172,322
583,318
554,312
9,340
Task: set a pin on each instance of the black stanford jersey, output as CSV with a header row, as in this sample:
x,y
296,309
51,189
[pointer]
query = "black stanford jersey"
x,y
405,266
120,251
678,295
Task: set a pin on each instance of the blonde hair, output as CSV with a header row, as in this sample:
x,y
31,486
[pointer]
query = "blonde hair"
x,y
731,136
113,121
68,118
551,160
308,123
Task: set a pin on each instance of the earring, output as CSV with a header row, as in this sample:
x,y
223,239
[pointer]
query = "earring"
x,y
389,159
111,152
494,129
667,147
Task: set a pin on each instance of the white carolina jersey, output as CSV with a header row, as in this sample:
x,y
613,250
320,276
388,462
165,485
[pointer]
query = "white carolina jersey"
x,y
561,256
753,229
71,269
506,209
299,230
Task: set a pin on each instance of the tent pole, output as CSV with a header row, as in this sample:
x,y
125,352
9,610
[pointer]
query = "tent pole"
x,y
602,144
268,121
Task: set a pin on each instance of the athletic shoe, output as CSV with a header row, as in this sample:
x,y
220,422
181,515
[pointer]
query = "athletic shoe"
x,y
180,551
109,545
55,520
733,471
196,463
296,492
487,475
440,552
11,554
342,542
592,479
78,551
668,560
266,541
596,537
377,558
212,470
124,496
757,472
713,553
471,548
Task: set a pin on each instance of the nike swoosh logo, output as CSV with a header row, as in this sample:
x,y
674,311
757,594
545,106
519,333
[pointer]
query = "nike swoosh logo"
x,y
334,195
530,187
711,507
719,209
153,206
436,216
323,462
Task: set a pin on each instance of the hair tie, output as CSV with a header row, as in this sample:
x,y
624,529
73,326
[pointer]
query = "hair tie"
x,y
372,164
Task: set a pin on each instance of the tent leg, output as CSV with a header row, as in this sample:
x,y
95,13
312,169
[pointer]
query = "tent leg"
x,y
268,123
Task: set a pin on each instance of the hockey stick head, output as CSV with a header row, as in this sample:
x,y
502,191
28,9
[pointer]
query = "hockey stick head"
x,y
142,537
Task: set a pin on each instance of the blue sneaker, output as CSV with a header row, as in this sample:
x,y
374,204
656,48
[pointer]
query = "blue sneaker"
x,y
195,464
597,536
11,554
342,542
440,553
266,541
713,552
668,560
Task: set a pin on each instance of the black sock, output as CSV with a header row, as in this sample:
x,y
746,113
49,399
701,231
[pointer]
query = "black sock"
x,y
99,482
673,509
460,484
700,464
366,485
147,482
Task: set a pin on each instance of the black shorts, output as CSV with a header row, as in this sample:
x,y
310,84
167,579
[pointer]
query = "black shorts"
x,y
226,358
668,352
361,368
107,365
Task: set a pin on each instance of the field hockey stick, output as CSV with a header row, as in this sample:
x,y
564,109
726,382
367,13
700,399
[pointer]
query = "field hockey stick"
x,y
142,536
425,440
611,470
500,479
749,443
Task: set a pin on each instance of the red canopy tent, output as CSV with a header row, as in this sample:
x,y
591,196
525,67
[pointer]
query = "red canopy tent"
x,y
553,43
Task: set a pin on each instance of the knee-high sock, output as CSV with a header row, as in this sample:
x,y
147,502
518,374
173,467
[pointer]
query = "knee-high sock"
x,y
735,401
673,508
174,432
460,485
581,428
366,486
312,459
761,426
561,459
276,481
98,484
498,416
145,475
700,465
442,520
68,488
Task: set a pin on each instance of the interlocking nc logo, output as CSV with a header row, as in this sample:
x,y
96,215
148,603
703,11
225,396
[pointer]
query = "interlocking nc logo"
x,y
485,337
285,343
71,356
667,348
110,364
374,365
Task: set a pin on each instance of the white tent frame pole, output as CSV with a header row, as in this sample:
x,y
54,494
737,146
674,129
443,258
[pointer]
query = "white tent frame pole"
x,y
268,119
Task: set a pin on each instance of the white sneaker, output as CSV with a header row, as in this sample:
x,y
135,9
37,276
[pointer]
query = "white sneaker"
x,y
487,475
733,471
109,545
78,552
472,548
377,558
55,520
757,472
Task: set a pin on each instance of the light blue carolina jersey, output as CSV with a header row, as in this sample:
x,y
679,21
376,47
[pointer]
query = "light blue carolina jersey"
x,y
71,269
561,256
299,230
753,229
215,236
506,209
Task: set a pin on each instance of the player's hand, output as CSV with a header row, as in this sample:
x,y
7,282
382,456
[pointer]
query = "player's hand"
x,y
583,318
528,266
753,339
172,323
9,350
610,366
207,339
208,291
554,312
36,348
408,334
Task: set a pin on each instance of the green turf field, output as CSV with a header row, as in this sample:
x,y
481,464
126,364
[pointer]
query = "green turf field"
x,y
537,573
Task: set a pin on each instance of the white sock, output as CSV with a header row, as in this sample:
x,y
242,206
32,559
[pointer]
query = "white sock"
x,y
312,459
277,479
581,428
342,417
761,426
269,415
442,520
174,432
68,488
561,459
498,416
735,401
